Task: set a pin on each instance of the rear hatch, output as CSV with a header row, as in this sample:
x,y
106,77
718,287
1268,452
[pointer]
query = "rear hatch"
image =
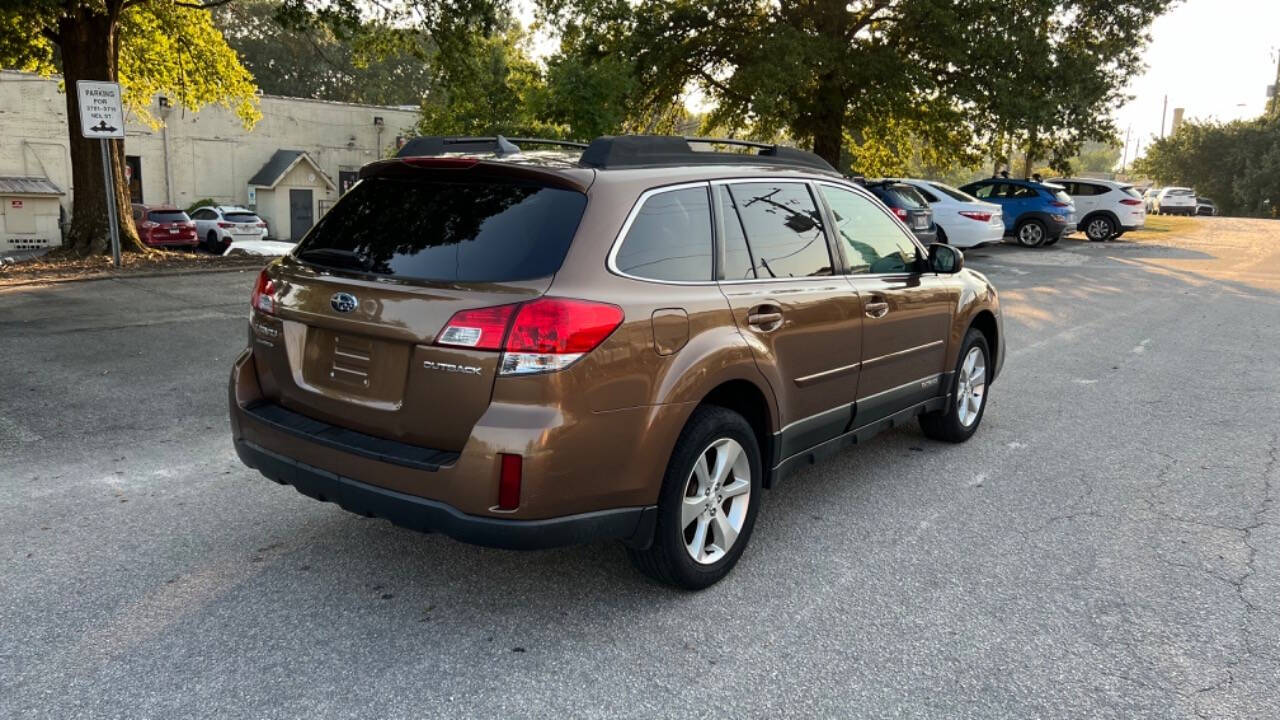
x,y
910,206
360,302
244,224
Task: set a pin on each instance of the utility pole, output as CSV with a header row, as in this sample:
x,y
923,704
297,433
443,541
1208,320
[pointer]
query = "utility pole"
x,y
1163,110
1124,159
1273,107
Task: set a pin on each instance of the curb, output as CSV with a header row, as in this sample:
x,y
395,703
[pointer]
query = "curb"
x,y
126,276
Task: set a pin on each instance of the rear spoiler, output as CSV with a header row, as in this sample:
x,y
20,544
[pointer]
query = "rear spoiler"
x,y
476,169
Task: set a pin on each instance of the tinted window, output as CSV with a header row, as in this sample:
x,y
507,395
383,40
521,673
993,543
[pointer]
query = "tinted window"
x,y
670,238
953,193
784,229
984,191
447,231
874,243
240,217
738,264
1020,191
904,196
167,216
928,196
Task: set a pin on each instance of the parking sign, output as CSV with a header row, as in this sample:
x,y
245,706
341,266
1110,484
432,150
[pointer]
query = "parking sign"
x,y
101,116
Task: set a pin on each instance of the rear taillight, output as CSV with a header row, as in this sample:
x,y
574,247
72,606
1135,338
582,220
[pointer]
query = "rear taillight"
x,y
544,335
900,212
226,225
481,329
1131,201
262,224
147,225
976,215
264,294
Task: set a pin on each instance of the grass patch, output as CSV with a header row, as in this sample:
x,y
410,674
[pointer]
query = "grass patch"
x,y
1157,225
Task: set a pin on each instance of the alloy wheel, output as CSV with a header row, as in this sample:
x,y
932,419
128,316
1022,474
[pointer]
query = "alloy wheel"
x,y
1031,234
1099,229
971,390
716,497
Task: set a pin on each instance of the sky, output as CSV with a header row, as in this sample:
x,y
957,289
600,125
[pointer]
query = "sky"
x,y
1213,57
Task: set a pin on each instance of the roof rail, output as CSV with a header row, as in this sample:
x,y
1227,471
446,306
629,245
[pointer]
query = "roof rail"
x,y
428,145
633,151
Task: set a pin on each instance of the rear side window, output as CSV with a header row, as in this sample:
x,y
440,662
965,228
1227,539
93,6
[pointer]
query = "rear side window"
x,y
953,193
1021,191
784,229
167,216
669,238
447,231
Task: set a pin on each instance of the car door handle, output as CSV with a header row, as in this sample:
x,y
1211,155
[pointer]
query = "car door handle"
x,y
876,309
764,318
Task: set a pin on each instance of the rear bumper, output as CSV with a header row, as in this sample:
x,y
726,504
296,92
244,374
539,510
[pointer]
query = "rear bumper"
x,y
634,526
927,237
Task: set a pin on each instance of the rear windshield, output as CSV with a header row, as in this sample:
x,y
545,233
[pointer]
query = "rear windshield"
x,y
167,216
906,195
953,193
1180,192
447,231
241,217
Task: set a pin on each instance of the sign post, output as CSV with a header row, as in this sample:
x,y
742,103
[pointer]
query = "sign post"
x,y
102,119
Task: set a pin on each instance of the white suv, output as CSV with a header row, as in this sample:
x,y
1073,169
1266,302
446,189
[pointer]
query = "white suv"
x,y
218,226
1107,209
1175,201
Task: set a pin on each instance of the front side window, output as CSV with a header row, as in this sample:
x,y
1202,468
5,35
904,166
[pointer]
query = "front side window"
x,y
873,241
669,238
783,228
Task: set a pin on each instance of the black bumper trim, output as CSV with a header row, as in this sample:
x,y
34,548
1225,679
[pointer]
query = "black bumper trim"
x,y
356,443
634,525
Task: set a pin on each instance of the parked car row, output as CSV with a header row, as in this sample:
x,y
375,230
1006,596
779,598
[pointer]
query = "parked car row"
x,y
221,229
1033,212
1176,201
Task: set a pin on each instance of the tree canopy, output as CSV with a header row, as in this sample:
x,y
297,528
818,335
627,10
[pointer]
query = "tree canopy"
x,y
861,80
1236,163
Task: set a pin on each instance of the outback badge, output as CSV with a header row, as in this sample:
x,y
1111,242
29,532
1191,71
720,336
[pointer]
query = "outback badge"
x,y
343,302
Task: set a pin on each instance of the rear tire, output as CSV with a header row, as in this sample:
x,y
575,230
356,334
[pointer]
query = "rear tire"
x,y
967,401
942,236
700,510
1099,228
1030,233
211,243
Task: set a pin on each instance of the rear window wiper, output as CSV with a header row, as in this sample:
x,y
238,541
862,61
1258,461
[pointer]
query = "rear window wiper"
x,y
336,257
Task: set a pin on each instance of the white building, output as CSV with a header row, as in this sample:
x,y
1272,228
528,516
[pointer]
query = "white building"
x,y
292,165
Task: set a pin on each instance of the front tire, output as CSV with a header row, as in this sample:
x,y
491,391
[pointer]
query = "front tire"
x,y
967,401
1030,233
1099,228
708,502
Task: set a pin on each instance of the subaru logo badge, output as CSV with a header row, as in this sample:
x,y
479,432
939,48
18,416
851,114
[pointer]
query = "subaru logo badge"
x,y
343,302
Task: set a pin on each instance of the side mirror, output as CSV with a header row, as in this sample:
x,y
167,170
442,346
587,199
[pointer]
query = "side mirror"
x,y
945,259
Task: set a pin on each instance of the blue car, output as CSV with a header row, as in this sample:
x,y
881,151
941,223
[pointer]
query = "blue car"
x,y
1035,213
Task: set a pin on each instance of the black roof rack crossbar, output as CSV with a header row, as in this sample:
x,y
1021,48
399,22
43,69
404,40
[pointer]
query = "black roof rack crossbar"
x,y
428,145
634,151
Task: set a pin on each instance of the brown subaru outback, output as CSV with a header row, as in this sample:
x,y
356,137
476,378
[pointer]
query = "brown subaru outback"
x,y
625,340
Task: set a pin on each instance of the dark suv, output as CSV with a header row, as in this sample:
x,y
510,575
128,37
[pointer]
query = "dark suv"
x,y
630,341
908,205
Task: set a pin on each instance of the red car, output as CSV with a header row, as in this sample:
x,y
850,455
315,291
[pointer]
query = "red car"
x,y
164,226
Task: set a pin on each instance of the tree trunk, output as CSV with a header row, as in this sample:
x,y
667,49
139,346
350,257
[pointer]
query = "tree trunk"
x,y
87,42
828,123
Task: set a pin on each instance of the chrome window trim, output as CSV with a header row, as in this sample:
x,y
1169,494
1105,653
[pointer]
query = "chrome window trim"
x,y
612,262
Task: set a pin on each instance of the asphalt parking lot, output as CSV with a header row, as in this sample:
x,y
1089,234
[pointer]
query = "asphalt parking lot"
x,y
1107,545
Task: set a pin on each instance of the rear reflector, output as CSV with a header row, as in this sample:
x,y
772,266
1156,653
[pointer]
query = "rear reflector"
x,y
900,212
976,215
264,294
481,329
509,481
1131,201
